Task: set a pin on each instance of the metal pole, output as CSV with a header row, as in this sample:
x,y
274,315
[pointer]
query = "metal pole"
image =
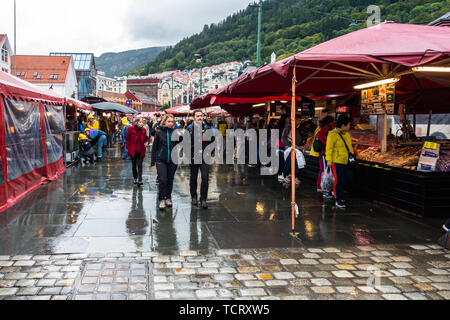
x,y
201,75
429,123
293,111
15,41
258,53
172,93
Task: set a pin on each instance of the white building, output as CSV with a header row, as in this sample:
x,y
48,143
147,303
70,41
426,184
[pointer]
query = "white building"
x,y
106,84
55,73
6,53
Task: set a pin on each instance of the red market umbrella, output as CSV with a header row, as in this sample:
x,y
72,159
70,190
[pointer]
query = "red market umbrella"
x,y
387,50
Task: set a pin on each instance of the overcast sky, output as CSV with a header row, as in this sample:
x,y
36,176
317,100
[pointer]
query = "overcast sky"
x,y
100,26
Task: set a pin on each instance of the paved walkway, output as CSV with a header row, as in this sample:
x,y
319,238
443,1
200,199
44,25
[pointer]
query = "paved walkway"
x,y
405,272
96,209
92,235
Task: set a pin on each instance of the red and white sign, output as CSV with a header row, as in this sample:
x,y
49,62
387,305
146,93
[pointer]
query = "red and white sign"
x,y
343,109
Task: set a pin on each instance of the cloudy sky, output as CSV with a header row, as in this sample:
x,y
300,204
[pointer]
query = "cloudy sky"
x,y
101,26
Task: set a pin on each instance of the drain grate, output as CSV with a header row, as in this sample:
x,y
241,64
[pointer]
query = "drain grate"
x,y
114,280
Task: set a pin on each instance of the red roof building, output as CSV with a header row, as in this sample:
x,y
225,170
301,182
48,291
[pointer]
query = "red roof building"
x,y
48,72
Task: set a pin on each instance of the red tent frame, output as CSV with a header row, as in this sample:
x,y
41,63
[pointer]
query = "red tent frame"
x,y
18,90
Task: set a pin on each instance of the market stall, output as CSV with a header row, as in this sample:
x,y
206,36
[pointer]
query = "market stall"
x,y
381,65
32,126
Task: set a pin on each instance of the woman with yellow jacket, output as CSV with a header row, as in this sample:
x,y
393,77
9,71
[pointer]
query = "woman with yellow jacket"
x,y
338,149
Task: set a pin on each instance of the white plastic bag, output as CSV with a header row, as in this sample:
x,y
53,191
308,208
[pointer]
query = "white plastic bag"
x,y
327,183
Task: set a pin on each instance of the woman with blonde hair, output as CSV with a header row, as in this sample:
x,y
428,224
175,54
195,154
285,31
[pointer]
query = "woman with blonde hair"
x,y
162,158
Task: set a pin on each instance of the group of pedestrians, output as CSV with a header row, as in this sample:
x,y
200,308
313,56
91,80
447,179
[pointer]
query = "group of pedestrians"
x,y
331,145
137,139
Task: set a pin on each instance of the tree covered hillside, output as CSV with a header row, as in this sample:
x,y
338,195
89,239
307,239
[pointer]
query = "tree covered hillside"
x,y
289,26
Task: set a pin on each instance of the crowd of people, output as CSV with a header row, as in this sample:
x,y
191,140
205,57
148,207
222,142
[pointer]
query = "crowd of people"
x,y
329,141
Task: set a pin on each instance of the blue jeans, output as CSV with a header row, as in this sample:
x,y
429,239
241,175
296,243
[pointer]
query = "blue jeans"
x,y
101,142
125,154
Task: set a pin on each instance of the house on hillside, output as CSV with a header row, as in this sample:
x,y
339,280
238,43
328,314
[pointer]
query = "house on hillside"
x,y
165,90
6,53
50,73
215,84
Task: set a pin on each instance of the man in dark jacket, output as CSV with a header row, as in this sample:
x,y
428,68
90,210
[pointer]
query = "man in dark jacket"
x,y
199,126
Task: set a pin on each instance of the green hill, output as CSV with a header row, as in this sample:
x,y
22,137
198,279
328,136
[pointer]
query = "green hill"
x,y
117,64
289,26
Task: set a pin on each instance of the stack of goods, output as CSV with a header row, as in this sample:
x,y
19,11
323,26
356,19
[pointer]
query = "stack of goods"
x,y
443,164
406,157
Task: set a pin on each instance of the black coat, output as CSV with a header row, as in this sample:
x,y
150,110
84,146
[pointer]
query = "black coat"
x,y
163,146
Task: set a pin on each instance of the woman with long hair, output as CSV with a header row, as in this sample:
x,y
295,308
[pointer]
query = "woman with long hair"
x,y
162,158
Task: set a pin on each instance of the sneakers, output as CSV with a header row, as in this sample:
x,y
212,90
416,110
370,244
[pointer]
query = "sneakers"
x,y
135,182
162,204
194,201
169,203
204,204
340,204
140,184
287,180
280,178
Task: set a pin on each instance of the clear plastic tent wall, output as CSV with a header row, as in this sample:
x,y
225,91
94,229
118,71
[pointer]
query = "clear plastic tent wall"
x,y
54,130
31,146
24,150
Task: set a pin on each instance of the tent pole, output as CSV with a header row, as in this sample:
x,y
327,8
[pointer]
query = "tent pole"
x,y
293,150
3,159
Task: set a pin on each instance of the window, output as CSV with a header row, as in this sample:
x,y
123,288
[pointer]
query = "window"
x,y
53,77
20,74
35,74
4,54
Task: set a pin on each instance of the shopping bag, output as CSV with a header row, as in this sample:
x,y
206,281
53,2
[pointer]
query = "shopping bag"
x,y
327,183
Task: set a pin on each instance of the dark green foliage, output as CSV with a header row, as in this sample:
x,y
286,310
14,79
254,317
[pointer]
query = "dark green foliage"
x,y
117,64
289,26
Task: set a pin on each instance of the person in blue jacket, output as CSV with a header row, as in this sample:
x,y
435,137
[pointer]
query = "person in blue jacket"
x,y
96,137
125,126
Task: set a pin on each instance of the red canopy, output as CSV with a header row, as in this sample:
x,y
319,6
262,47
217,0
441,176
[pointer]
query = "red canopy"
x,y
31,138
178,110
336,66
19,89
79,104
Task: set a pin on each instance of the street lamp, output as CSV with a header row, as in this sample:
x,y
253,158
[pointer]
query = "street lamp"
x,y
258,52
201,71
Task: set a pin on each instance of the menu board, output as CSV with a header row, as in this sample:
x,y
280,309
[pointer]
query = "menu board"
x,y
378,100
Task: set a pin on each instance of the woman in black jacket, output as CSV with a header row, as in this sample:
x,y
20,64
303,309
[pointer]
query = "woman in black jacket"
x,y
162,158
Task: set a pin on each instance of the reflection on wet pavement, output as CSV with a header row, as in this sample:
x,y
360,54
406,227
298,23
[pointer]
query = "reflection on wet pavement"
x,y
96,208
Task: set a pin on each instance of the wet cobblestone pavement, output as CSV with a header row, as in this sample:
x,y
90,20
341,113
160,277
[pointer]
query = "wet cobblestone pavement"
x,y
91,235
406,273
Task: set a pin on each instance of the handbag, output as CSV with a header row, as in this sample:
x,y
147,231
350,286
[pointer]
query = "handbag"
x,y
351,157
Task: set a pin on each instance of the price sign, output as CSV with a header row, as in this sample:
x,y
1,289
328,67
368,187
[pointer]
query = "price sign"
x,y
430,145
